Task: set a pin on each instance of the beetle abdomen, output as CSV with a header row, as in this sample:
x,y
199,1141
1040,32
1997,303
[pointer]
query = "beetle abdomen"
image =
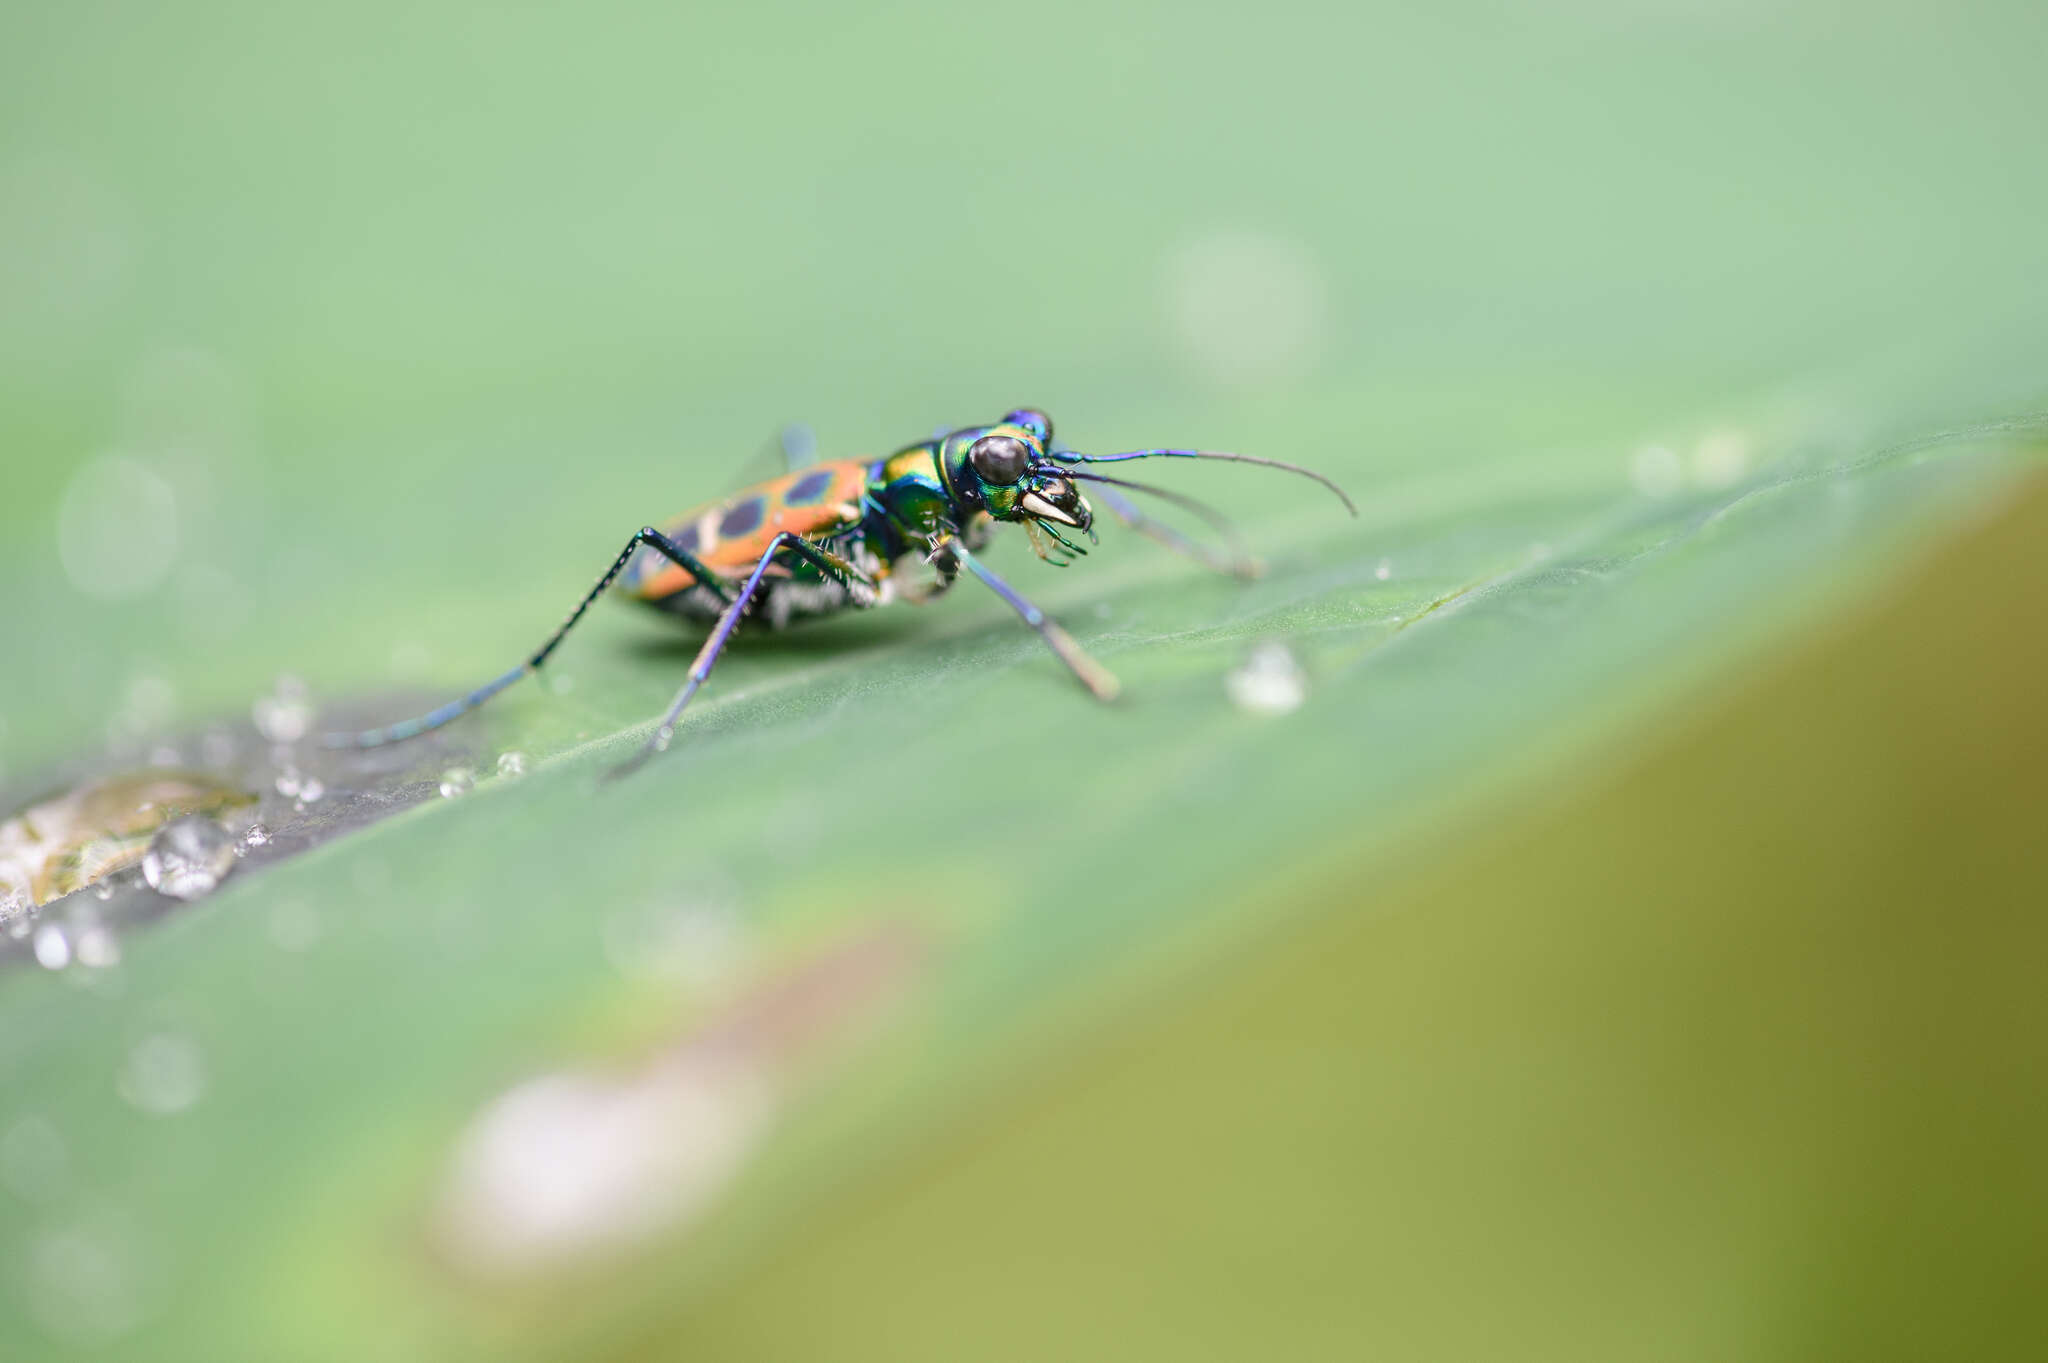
x,y
729,536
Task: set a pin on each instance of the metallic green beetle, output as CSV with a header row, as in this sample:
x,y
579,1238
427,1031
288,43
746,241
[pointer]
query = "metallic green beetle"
x,y
839,534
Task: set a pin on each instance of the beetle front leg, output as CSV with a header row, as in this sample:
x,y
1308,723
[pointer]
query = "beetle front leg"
x,y
1093,675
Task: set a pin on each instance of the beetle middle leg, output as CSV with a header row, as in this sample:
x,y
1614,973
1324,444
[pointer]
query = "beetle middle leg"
x,y
819,557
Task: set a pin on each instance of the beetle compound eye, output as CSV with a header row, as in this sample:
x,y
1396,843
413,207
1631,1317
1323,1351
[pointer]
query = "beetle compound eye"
x,y
1000,459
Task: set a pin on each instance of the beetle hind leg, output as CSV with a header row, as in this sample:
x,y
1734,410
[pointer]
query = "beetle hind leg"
x,y
434,719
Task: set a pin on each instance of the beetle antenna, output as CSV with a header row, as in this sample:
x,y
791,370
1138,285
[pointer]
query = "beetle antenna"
x,y
1222,524
1069,457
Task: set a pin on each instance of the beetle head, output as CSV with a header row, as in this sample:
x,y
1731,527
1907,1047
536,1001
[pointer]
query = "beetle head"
x,y
1005,469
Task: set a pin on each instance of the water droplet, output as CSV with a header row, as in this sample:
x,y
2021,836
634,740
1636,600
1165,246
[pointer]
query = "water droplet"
x,y
286,713
253,837
1270,682
165,1074
188,858
17,910
1385,569
294,784
457,781
14,904
512,764
33,1162
103,890
1655,471
52,946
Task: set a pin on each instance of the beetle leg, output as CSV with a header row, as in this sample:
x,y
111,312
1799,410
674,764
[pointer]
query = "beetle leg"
x,y
1092,674
722,632
1239,564
861,588
434,719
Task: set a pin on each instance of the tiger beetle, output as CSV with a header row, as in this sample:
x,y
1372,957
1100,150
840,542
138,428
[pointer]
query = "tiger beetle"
x,y
840,534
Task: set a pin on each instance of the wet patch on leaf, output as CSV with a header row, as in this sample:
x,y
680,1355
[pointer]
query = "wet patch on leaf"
x,y
105,845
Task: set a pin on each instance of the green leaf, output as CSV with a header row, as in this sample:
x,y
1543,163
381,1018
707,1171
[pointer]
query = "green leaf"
x,y
1648,354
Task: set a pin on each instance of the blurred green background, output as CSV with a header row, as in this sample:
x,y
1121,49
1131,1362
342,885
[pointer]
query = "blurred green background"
x,y
1664,345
